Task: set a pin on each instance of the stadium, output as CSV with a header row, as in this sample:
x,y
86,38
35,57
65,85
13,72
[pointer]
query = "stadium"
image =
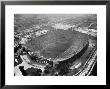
x,y
56,51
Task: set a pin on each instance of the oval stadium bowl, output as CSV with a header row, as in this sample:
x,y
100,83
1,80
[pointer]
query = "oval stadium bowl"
x,y
59,44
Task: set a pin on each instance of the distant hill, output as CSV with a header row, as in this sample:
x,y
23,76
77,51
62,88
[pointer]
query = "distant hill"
x,y
25,21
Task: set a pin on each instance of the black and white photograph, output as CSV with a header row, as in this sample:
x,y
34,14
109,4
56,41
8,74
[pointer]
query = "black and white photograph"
x,y
55,45
58,44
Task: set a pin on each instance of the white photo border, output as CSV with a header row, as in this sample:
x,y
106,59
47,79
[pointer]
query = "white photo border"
x,y
100,10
